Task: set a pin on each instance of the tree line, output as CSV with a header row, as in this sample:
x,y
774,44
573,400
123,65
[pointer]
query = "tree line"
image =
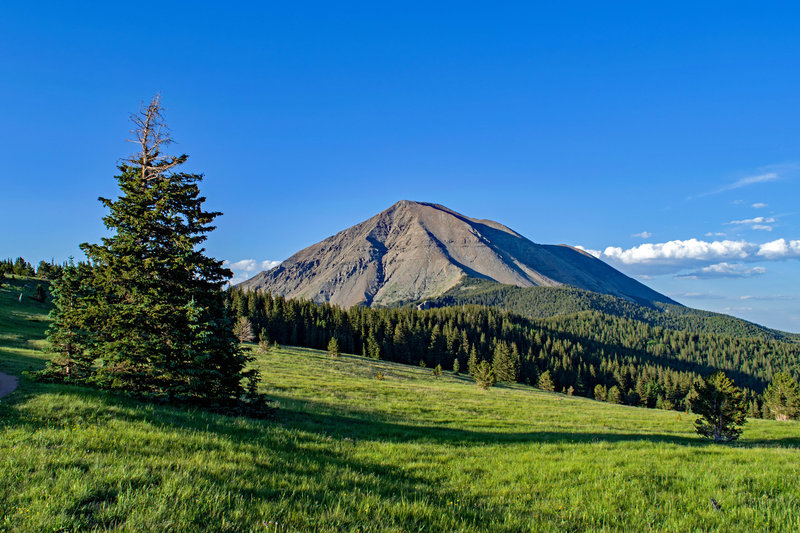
x,y
21,267
589,354
544,302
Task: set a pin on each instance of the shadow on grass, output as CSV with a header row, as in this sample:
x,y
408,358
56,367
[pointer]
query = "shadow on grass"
x,y
257,460
305,458
312,416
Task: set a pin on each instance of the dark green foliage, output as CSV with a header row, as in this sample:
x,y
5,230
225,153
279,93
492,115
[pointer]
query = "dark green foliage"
x,y
152,306
333,347
372,348
48,271
782,397
546,382
614,395
68,335
484,375
651,366
600,393
506,364
722,408
40,295
545,302
17,267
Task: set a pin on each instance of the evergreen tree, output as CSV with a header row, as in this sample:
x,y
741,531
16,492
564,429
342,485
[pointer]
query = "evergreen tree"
x,y
456,366
600,393
472,362
243,329
782,397
721,406
506,368
68,336
546,382
614,395
436,346
484,375
41,294
333,347
157,319
372,348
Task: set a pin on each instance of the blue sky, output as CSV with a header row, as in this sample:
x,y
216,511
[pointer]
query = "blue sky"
x,y
665,139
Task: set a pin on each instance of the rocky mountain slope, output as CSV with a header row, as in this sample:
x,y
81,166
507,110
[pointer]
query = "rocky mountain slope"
x,y
417,250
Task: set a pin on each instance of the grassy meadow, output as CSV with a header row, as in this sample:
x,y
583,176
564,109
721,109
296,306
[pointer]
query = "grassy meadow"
x,y
349,452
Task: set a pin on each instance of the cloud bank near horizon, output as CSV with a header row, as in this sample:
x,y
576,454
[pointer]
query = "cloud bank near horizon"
x,y
719,258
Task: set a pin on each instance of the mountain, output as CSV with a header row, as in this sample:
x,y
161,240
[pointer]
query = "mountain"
x,y
416,250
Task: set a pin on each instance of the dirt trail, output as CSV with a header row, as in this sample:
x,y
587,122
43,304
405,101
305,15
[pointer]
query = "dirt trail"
x,y
7,384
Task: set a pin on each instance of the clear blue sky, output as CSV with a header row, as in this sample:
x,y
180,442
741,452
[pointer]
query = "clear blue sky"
x,y
578,123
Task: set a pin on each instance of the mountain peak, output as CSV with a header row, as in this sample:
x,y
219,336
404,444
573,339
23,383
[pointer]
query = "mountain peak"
x,y
415,250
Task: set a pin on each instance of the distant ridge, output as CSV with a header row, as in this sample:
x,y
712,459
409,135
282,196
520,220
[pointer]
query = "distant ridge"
x,y
416,250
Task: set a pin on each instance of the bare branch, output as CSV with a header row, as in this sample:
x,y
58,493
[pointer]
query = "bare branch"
x,y
152,134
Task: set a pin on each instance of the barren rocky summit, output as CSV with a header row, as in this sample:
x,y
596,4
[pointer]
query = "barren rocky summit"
x,y
416,250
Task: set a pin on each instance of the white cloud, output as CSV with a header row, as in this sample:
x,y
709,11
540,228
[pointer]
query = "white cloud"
x,y
679,251
245,265
595,253
779,249
751,180
696,295
244,269
768,298
762,227
269,264
680,255
757,220
717,234
759,205
250,265
643,235
744,182
724,270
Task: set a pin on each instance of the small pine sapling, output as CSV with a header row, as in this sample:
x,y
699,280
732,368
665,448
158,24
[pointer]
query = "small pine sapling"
x,y
721,406
546,382
333,347
484,375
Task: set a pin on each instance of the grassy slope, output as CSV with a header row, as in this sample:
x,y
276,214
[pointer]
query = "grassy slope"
x,y
348,452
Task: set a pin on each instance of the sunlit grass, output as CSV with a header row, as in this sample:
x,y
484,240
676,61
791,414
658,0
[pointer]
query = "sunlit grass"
x,y
349,452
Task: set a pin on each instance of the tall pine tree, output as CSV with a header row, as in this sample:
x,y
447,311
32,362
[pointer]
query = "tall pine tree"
x,y
157,317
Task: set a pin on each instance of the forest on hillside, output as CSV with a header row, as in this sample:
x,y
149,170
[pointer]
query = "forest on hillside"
x,y
540,302
589,353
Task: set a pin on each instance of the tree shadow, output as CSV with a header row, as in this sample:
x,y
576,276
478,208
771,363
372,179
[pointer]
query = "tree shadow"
x,y
310,467
362,425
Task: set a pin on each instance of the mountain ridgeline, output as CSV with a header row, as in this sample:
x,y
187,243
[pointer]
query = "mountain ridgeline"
x,y
416,250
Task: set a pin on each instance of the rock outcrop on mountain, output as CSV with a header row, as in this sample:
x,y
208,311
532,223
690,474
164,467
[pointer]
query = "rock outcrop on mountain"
x,y
416,250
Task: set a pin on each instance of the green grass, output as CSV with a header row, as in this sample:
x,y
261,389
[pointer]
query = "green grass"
x,y
348,452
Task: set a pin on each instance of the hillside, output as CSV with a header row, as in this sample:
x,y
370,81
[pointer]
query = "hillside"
x,y
417,250
349,452
647,365
542,302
